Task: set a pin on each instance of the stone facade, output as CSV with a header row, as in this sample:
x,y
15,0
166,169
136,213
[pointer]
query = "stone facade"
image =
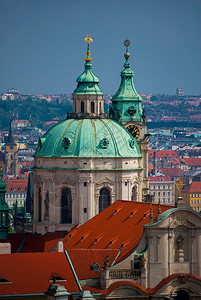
x,y
122,177
170,248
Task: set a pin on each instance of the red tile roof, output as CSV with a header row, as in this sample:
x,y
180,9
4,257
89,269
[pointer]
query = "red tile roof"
x,y
20,121
15,239
120,226
171,155
27,242
42,243
31,273
16,185
173,172
159,178
193,161
87,258
194,187
163,153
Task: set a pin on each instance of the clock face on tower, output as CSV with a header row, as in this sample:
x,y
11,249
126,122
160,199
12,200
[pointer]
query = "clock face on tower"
x,y
134,130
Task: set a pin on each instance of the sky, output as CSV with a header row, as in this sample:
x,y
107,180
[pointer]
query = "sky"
x,y
42,46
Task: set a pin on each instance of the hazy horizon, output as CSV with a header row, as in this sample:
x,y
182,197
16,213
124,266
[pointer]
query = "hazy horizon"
x,y
42,44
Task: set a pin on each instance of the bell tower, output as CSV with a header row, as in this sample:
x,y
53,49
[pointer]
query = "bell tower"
x,y
127,109
11,155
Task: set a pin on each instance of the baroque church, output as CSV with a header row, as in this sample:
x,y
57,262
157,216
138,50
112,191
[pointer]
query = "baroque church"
x,y
91,170
88,161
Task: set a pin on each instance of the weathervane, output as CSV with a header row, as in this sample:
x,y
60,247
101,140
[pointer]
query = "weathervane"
x,y
88,39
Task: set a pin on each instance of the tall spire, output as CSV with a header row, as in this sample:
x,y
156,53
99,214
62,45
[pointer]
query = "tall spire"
x,y
126,90
126,102
88,81
4,209
10,136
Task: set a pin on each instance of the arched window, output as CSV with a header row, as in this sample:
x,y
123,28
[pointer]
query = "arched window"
x,y
82,107
134,194
66,206
3,219
46,213
39,205
104,199
92,107
182,295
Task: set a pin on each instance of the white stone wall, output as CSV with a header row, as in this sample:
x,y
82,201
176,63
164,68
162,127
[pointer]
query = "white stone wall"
x,y
163,191
163,259
85,177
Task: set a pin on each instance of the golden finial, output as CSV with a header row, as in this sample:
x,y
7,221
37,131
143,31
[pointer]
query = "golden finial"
x,y
127,44
180,185
88,39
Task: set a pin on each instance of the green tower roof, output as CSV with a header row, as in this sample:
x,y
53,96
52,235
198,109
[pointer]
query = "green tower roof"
x,y
87,138
126,91
126,103
88,82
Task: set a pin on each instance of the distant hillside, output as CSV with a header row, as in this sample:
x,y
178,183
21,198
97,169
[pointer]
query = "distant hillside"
x,y
36,111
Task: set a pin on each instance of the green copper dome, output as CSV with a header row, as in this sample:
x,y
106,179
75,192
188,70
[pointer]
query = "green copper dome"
x,y
87,138
88,83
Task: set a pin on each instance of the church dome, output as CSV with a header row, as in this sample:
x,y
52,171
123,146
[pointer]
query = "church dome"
x,y
87,138
88,82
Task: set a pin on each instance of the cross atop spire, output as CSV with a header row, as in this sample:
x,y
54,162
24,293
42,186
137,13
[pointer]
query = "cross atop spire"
x,y
180,185
88,39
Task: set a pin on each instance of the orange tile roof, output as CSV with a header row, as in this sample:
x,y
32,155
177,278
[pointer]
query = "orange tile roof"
x,y
193,161
16,185
27,242
173,172
30,273
159,178
162,153
87,258
194,187
42,243
150,167
171,155
15,239
120,226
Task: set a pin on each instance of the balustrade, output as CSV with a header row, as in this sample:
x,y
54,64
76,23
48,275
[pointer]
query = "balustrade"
x,y
124,274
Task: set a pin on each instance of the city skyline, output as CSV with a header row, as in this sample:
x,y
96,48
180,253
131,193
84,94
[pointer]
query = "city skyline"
x,y
43,49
